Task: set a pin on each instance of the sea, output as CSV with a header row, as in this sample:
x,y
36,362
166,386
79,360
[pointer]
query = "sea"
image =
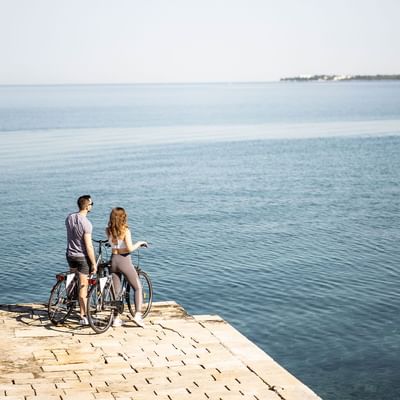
x,y
275,205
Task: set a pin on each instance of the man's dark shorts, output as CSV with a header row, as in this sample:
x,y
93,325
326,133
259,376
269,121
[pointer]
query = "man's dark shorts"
x,y
81,264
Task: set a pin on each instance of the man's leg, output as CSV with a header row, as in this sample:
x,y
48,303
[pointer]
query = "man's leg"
x,y
70,288
83,288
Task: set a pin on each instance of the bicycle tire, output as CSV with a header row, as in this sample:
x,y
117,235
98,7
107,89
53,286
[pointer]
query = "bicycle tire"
x,y
147,289
100,309
59,307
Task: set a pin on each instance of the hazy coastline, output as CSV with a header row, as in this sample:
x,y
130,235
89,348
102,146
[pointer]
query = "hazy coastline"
x,y
322,77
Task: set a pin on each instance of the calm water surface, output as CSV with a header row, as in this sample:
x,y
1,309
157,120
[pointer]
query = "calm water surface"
x,y
280,215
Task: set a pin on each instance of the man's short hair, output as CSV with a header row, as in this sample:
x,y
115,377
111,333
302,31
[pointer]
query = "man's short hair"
x,y
84,201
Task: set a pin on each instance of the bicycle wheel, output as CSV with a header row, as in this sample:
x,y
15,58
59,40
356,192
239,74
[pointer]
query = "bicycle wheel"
x,y
60,304
147,290
100,308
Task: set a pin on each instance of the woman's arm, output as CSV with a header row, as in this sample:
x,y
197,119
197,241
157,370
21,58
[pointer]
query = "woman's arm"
x,y
129,245
128,241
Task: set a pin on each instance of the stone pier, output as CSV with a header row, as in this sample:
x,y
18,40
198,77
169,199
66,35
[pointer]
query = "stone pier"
x,y
176,356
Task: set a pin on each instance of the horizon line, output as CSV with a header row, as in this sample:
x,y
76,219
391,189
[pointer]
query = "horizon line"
x,y
138,83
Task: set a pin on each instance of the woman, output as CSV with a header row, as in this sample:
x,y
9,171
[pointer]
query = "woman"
x,y
120,239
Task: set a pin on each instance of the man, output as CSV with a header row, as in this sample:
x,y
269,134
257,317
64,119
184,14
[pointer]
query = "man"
x,y
80,253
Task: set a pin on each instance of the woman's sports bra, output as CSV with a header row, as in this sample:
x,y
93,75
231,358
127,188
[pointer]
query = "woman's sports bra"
x,y
119,245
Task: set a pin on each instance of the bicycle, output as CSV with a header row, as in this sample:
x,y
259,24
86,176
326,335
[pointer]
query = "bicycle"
x,y
103,303
64,296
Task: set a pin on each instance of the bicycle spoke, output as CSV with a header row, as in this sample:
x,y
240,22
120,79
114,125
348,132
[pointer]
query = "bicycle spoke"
x,y
100,308
147,295
60,302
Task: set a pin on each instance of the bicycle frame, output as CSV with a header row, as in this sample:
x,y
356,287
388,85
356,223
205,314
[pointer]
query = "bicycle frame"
x,y
65,292
104,303
63,297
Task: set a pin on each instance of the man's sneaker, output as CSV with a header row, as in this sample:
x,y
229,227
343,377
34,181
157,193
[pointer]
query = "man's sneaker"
x,y
117,322
138,320
83,321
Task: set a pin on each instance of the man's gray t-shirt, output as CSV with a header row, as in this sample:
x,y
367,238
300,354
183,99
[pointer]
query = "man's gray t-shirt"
x,y
77,225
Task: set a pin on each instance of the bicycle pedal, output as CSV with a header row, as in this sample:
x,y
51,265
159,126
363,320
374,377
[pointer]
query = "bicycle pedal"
x,y
116,303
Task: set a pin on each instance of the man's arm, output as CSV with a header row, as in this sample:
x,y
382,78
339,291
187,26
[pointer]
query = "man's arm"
x,y
87,237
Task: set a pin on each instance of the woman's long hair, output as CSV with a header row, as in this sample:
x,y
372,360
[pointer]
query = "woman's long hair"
x,y
118,223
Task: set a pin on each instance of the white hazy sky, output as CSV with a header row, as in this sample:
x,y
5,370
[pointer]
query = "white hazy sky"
x,y
129,41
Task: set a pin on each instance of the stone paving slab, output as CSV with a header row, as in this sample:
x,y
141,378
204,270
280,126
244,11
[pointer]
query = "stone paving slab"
x,y
176,356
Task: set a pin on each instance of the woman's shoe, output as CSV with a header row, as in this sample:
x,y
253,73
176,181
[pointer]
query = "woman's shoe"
x,y
84,321
138,320
117,322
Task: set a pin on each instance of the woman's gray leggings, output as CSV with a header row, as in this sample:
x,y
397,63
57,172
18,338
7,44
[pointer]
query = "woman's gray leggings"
x,y
123,264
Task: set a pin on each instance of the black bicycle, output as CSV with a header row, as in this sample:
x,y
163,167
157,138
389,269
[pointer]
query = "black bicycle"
x,y
104,303
64,294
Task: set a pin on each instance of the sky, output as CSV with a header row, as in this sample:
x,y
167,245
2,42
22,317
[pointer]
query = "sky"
x,y
154,41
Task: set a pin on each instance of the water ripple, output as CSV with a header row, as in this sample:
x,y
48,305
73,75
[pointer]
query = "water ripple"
x,y
296,243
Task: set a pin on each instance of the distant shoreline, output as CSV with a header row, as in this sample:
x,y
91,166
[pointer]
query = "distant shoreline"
x,y
301,78
306,78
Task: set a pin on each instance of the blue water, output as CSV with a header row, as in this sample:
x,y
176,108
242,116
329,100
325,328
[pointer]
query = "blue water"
x,y
273,205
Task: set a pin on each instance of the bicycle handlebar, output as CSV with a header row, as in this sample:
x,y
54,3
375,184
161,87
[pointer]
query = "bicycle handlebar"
x,y
102,242
107,244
